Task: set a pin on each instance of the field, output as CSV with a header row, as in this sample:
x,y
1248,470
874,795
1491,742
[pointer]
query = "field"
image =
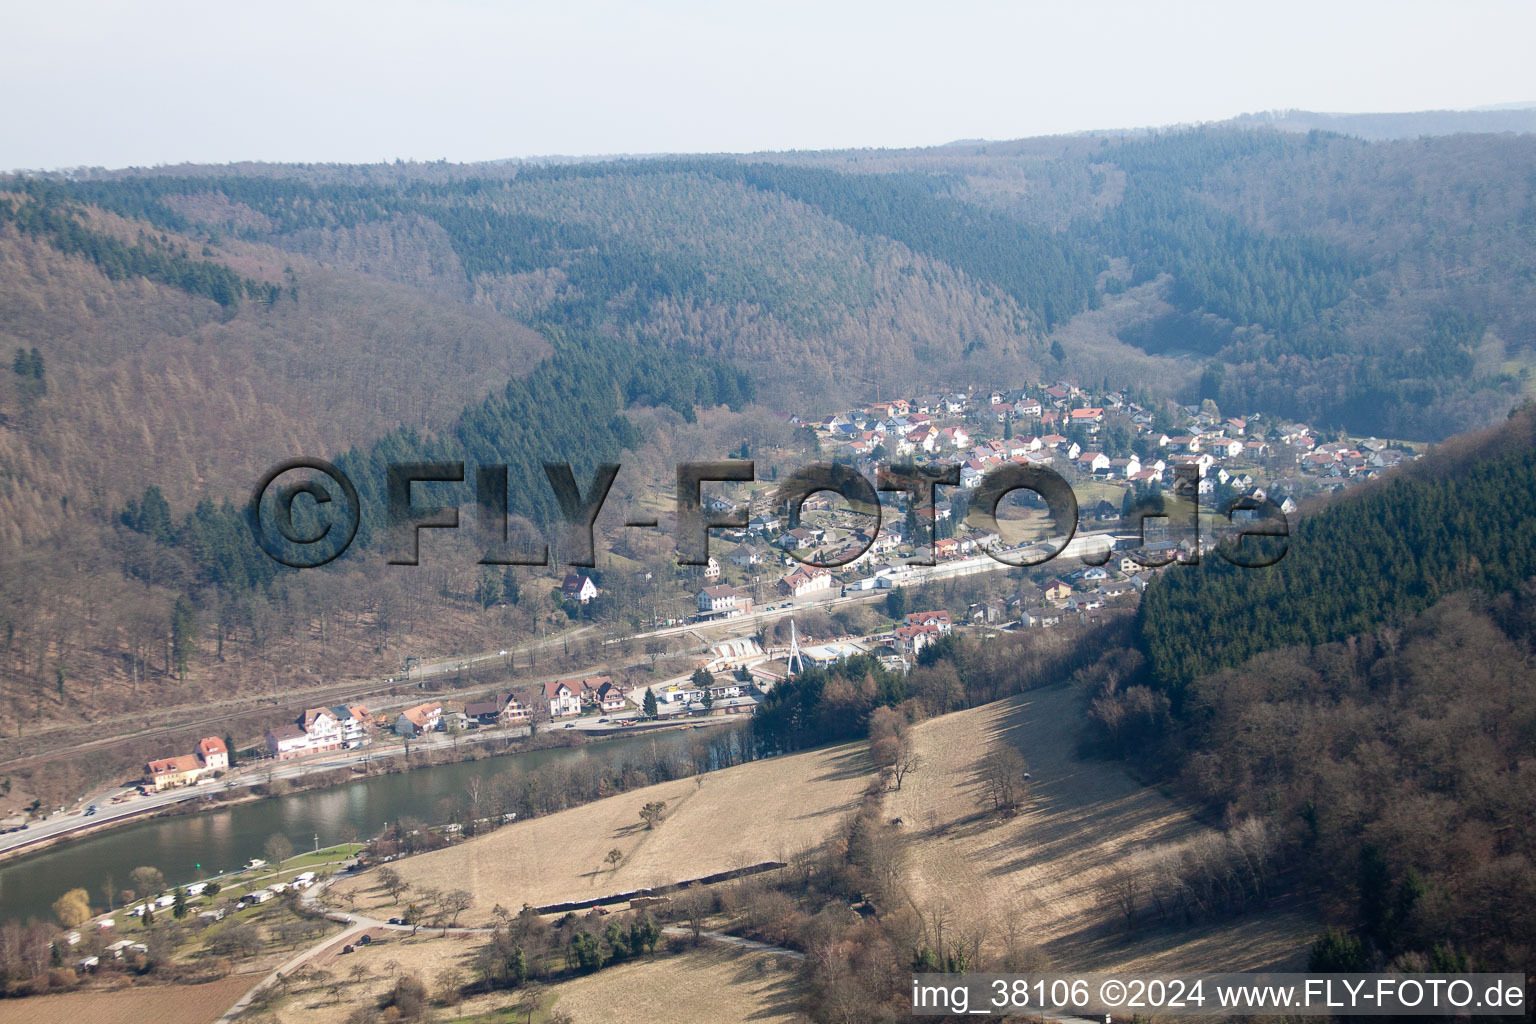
x,y
768,810
711,985
724,984
166,1004
340,983
1047,867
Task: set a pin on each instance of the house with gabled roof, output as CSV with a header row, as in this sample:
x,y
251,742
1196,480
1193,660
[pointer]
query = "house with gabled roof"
x,y
418,720
806,580
935,619
578,587
564,697
169,772
286,742
212,752
323,727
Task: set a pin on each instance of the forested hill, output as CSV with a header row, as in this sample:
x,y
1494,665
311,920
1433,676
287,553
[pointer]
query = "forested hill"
x,y
1463,518
1373,698
1387,287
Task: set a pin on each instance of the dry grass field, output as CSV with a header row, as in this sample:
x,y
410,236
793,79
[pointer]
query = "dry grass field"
x,y
710,985
768,810
321,1000
1047,866
167,1004
715,984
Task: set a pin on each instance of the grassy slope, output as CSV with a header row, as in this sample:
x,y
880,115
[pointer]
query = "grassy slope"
x,y
711,985
769,810
1047,866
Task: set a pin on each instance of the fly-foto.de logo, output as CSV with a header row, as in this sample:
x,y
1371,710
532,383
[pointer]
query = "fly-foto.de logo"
x,y
307,512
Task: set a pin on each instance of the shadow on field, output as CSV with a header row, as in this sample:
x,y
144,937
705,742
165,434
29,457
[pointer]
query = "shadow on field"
x,y
778,986
836,809
846,766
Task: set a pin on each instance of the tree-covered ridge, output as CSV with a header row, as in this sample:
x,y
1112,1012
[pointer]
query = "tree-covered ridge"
x,y
47,211
1044,271
1284,284
570,409
1384,288
1375,559
1341,282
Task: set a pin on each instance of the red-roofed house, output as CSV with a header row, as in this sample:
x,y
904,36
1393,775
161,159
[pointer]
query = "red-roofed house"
x,y
169,772
213,753
938,620
422,718
805,581
564,696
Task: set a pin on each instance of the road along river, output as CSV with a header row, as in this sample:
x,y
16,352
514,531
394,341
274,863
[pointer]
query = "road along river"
x,y
197,845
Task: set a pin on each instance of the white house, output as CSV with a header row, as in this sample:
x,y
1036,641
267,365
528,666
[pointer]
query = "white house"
x,y
1093,462
956,437
746,555
213,753
564,699
578,587
286,742
323,729
806,581
721,600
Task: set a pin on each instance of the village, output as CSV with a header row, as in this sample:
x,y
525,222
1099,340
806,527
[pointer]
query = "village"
x,y
1113,451
1111,448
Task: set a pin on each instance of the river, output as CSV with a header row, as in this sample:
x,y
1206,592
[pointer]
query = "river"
x,y
187,847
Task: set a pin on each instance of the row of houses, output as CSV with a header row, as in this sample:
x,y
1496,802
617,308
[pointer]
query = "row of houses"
x,y
211,755
570,697
319,730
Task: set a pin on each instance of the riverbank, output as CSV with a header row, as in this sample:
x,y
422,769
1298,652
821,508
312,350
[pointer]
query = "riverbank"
x,y
326,774
199,837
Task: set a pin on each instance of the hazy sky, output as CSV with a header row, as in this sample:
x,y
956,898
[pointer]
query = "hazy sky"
x,y
90,82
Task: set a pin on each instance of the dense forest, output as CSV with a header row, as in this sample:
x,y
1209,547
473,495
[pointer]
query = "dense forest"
x,y
1379,558
1371,696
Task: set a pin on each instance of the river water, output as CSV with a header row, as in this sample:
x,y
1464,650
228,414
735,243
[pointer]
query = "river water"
x,y
191,846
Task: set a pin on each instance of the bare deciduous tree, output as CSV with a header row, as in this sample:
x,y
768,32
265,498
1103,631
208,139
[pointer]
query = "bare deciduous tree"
x,y
1002,772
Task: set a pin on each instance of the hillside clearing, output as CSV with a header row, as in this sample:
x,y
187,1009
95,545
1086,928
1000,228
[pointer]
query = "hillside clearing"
x,y
767,810
164,1004
711,985
1047,867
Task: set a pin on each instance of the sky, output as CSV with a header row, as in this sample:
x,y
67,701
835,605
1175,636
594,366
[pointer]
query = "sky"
x,y
104,83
